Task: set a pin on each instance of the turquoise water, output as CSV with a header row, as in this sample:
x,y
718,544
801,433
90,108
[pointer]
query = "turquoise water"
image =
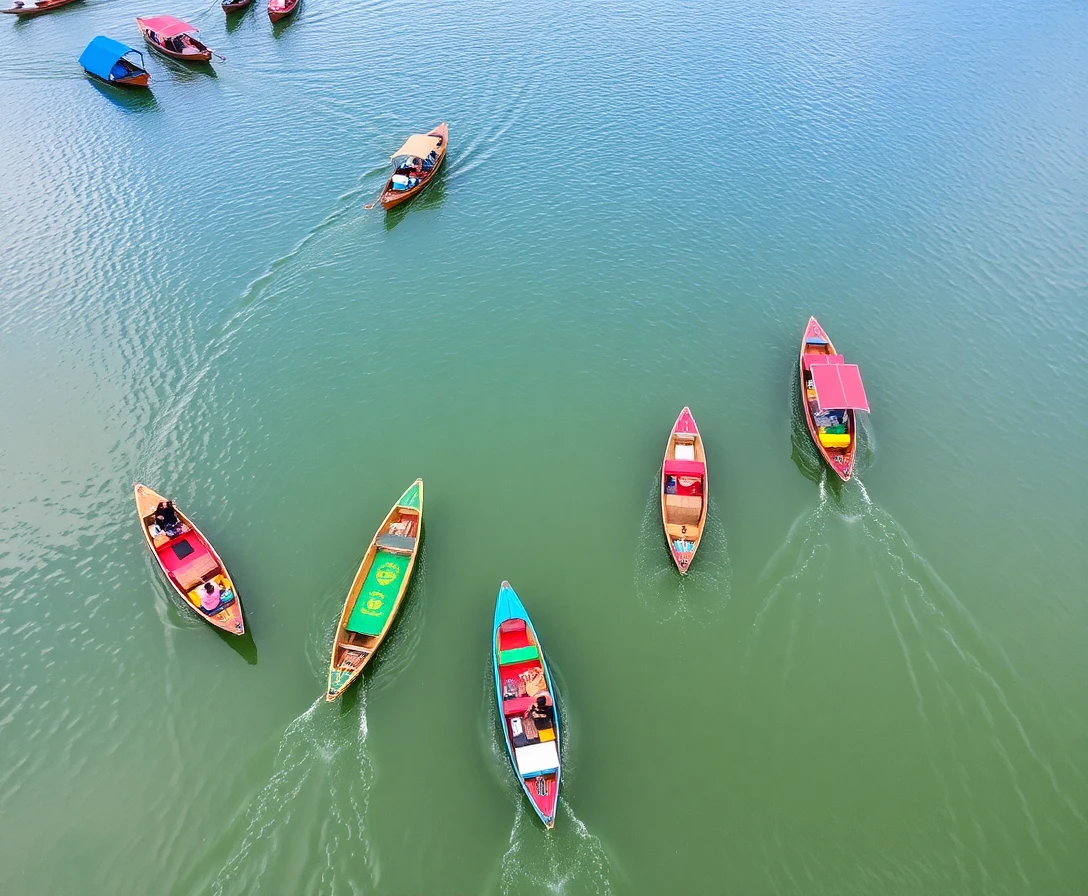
x,y
876,687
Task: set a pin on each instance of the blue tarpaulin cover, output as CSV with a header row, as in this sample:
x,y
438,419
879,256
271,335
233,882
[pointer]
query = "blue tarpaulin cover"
x,y
102,54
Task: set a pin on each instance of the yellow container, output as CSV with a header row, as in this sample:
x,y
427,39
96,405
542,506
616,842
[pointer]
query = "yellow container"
x,y
835,440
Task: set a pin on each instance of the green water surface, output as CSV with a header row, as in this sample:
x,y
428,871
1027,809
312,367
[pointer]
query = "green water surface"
x,y
870,688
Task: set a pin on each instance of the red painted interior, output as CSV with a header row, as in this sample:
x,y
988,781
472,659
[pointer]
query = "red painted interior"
x,y
512,640
170,560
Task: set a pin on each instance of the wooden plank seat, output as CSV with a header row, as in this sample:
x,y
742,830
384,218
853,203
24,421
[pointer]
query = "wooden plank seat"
x,y
400,544
191,574
359,648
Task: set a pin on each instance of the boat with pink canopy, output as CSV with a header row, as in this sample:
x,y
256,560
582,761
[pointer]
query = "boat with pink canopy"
x,y
173,37
831,394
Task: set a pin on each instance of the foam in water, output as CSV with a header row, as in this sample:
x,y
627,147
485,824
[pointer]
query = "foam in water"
x,y
313,807
960,679
705,591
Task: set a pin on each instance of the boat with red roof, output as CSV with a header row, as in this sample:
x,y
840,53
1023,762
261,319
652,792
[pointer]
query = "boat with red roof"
x,y
527,709
190,563
174,38
684,492
831,394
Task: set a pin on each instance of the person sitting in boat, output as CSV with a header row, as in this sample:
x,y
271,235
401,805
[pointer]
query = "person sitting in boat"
x,y
166,518
428,163
210,597
542,713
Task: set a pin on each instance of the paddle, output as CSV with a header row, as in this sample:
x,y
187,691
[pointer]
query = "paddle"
x,y
371,205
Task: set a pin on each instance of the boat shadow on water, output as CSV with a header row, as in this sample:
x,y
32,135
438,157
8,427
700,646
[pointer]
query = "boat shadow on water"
x,y
184,71
244,645
125,98
431,197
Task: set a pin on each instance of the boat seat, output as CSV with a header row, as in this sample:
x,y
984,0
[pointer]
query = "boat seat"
x,y
191,574
518,655
683,508
358,648
674,530
512,625
397,543
684,451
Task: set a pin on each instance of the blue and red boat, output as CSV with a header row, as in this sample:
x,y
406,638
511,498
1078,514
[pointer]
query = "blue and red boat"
x,y
527,709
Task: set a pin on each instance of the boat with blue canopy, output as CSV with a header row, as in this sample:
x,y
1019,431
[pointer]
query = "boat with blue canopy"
x,y
111,61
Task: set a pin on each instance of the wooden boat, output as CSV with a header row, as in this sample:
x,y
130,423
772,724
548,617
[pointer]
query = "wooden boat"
x,y
415,165
521,679
28,8
281,9
831,393
173,37
188,561
376,593
685,495
235,5
108,60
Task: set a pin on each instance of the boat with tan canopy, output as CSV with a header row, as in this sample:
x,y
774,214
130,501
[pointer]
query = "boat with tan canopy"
x,y
415,164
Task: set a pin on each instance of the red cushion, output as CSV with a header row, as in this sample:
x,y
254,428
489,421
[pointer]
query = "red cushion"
x,y
512,625
517,706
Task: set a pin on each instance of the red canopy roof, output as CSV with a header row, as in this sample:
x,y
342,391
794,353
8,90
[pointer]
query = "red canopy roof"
x,y
168,26
815,358
685,468
839,386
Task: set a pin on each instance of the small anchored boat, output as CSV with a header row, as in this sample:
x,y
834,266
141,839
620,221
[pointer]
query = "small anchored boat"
x,y
29,8
831,394
234,5
115,63
527,710
684,491
376,593
173,37
190,564
281,9
415,165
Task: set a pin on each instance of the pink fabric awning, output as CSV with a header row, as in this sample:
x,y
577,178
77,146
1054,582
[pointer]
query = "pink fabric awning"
x,y
685,468
839,386
815,358
168,26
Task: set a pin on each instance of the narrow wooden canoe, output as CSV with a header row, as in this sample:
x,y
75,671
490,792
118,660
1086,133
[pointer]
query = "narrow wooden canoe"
x,y
281,9
173,38
376,593
235,5
29,9
833,429
521,679
418,150
188,561
685,495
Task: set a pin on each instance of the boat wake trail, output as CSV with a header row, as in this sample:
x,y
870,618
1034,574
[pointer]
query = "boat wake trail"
x,y
568,859
846,560
704,592
314,805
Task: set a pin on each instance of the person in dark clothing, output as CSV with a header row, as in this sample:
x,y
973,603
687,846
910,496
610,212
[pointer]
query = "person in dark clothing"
x,y
166,518
542,714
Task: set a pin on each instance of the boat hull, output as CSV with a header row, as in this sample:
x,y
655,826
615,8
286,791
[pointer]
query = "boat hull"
x,y
540,785
840,461
205,54
236,7
230,618
683,539
276,14
391,198
32,11
384,574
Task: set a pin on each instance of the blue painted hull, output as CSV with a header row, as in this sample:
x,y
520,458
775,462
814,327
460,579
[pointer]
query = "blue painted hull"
x,y
509,606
